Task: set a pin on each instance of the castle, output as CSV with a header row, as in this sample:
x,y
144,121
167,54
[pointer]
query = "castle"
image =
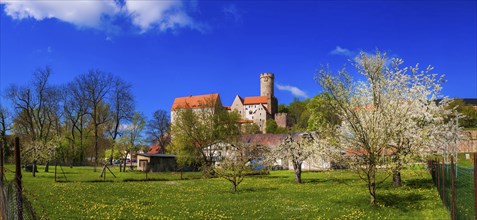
x,y
253,109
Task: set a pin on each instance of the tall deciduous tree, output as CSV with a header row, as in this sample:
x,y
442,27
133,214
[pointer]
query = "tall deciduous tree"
x,y
323,118
158,129
376,112
95,86
37,118
76,120
196,133
122,109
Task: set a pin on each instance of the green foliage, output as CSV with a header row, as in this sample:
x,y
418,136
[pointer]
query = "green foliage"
x,y
271,126
195,131
117,154
250,128
282,108
298,114
323,117
470,113
324,195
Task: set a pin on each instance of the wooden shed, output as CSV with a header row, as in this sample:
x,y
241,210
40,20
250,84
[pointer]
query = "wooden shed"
x,y
156,162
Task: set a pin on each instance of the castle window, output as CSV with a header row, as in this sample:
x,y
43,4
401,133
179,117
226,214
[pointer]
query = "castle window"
x,y
252,117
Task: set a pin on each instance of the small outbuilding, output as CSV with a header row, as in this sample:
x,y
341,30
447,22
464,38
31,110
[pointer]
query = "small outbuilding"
x,y
156,162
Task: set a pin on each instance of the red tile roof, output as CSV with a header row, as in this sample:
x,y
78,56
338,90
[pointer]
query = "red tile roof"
x,y
244,121
198,101
228,107
154,149
255,100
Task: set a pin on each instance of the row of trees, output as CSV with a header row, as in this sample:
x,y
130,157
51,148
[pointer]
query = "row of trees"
x,y
77,121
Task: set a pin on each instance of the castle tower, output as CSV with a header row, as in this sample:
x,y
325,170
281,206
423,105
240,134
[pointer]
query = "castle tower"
x,y
266,89
266,84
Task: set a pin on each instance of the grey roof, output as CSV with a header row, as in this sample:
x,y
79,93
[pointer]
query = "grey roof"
x,y
157,155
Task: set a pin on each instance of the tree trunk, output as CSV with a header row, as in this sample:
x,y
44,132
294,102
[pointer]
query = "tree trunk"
x,y
95,147
131,160
397,182
372,184
33,171
125,163
297,172
47,166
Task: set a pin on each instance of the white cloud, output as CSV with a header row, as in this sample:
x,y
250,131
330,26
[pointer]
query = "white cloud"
x,y
161,14
80,13
294,90
342,51
147,15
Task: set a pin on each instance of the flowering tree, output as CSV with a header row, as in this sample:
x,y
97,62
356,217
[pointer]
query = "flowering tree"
x,y
391,112
297,150
237,160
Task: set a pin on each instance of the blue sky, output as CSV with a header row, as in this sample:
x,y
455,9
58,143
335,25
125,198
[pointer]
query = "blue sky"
x,y
168,49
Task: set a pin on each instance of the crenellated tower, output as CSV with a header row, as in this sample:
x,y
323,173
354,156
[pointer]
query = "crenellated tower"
x,y
266,84
267,89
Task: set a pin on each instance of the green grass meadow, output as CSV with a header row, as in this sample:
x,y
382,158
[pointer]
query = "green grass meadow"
x,y
323,195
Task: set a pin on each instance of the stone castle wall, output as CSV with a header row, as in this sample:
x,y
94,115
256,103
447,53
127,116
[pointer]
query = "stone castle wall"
x,y
281,119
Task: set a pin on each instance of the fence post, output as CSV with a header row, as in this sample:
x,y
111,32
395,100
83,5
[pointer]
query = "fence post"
x,y
438,177
1,163
475,183
18,178
453,213
443,181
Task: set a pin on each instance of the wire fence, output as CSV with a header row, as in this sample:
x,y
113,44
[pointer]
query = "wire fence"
x,y
456,186
13,204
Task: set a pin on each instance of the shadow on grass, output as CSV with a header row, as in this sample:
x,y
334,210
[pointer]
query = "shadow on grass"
x,y
257,189
399,201
98,181
419,183
145,180
269,177
346,181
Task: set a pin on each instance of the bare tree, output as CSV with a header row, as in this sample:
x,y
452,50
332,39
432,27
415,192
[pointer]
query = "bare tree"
x,y
122,109
5,126
75,112
158,129
36,107
95,86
